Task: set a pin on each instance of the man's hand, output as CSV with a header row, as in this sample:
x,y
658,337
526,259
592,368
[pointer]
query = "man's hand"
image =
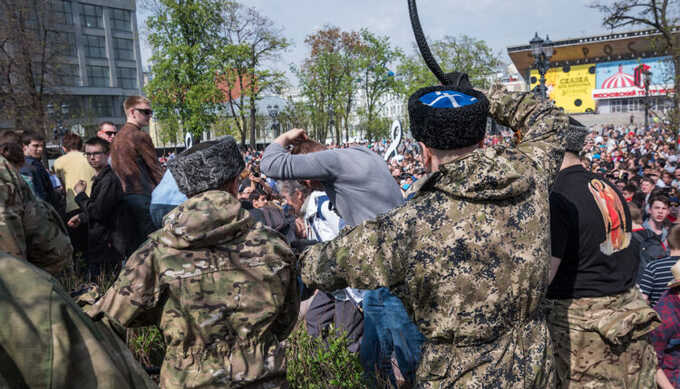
x,y
74,222
291,136
79,187
300,228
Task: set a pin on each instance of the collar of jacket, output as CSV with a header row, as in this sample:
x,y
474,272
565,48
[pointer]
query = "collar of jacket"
x,y
491,173
207,219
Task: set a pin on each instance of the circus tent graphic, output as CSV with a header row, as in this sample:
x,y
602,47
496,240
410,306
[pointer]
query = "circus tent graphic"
x,y
619,80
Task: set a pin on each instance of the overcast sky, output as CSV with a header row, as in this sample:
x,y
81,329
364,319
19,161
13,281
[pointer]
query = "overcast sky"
x,y
501,23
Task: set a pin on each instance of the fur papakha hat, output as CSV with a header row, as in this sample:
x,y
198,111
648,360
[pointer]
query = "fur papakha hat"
x,y
207,169
575,136
447,117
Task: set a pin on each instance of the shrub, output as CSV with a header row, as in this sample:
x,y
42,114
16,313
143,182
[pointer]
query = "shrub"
x,y
323,362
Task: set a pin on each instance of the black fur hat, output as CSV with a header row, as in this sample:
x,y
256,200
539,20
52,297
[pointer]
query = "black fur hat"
x,y
209,168
447,117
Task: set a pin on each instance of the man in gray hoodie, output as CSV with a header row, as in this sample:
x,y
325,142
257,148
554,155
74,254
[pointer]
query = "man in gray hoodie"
x,y
357,180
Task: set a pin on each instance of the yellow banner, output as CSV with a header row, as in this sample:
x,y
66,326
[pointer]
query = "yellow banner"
x,y
571,90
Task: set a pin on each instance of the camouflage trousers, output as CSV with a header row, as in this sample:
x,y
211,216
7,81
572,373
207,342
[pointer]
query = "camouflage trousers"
x,y
520,358
602,342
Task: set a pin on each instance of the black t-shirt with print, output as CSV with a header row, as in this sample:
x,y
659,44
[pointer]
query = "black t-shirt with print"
x,y
591,233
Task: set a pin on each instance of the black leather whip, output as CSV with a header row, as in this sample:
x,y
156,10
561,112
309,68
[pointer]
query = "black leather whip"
x,y
454,78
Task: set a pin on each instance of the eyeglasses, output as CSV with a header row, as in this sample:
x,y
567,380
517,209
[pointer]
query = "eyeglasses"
x,y
88,155
111,133
147,112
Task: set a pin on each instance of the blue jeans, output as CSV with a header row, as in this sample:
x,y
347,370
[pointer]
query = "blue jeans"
x,y
388,330
138,205
158,212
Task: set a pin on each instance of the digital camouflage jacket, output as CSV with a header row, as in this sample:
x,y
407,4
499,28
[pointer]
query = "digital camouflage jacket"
x,y
47,342
222,289
469,256
30,228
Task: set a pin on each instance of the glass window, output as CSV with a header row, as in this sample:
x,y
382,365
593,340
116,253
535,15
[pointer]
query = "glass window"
x,y
95,46
68,74
64,42
123,48
127,78
97,75
120,19
62,11
91,16
102,105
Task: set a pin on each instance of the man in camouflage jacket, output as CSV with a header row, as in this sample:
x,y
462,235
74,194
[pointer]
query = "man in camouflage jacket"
x,y
29,227
221,288
46,341
469,255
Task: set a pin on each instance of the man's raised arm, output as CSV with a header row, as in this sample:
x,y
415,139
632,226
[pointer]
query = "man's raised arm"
x,y
540,126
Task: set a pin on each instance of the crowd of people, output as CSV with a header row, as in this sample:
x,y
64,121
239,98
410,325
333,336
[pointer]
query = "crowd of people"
x,y
552,253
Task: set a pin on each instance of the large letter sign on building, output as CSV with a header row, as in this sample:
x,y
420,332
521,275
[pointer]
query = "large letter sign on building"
x,y
618,79
570,87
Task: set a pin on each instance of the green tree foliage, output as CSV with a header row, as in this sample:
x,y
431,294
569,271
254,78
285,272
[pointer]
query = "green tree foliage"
x,y
251,43
377,80
325,74
463,54
184,36
342,66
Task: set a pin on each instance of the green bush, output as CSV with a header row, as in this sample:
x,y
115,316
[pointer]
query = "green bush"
x,y
323,362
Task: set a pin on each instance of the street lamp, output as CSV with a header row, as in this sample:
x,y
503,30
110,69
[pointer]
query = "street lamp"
x,y
273,112
542,51
59,117
648,81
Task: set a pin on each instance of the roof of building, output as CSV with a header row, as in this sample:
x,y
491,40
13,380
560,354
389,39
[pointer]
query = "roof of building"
x,y
593,49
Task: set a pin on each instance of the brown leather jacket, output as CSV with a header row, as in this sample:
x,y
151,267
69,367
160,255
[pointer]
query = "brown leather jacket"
x,y
134,160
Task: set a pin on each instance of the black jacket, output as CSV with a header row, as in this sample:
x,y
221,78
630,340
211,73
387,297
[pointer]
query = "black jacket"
x,y
42,183
109,223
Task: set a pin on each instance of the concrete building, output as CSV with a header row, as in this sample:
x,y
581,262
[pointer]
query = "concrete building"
x,y
100,64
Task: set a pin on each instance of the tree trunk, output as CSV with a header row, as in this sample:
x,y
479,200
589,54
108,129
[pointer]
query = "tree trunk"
x,y
253,140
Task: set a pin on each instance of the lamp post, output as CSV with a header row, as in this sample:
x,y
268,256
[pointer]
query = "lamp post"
x,y
273,111
58,116
648,80
542,51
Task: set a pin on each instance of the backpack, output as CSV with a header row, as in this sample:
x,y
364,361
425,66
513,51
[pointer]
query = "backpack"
x,y
651,249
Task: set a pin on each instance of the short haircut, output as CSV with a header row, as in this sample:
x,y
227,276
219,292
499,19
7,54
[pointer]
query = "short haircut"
x,y
660,197
95,141
307,146
674,237
10,147
635,213
131,101
649,180
72,141
630,188
290,187
102,124
29,136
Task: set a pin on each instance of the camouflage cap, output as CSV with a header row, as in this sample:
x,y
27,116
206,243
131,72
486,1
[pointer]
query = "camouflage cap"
x,y
207,169
575,136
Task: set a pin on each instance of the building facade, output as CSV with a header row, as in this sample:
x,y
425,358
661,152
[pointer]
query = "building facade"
x,y
604,74
100,62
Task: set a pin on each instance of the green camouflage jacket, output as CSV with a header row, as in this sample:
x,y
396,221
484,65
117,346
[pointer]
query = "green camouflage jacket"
x,y
29,227
46,341
469,256
221,288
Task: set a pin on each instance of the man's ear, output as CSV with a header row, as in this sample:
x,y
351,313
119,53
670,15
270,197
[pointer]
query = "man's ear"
x,y
426,156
